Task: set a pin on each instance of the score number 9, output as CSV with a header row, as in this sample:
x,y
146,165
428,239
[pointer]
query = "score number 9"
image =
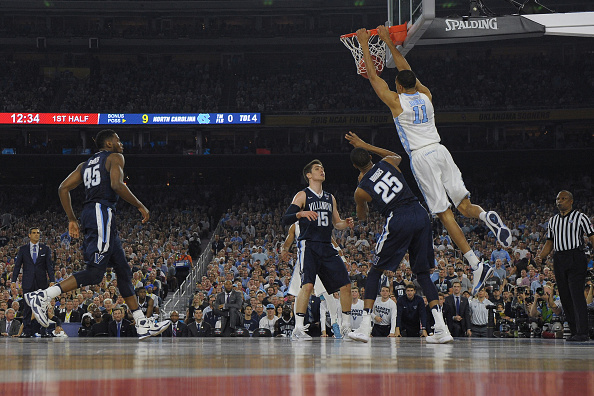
x,y
145,118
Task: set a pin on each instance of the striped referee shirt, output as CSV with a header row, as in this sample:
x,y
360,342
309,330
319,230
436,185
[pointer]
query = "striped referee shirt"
x,y
567,232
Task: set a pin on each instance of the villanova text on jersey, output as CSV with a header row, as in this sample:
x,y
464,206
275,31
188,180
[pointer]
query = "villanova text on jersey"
x,y
319,230
97,181
386,187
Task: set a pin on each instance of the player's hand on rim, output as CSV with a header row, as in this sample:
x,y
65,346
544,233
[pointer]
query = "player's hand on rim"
x,y
363,36
383,33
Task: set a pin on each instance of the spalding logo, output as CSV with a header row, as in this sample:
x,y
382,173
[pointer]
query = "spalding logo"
x,y
487,24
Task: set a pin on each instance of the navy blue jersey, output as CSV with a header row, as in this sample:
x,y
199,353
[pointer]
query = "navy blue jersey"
x,y
387,187
319,230
97,180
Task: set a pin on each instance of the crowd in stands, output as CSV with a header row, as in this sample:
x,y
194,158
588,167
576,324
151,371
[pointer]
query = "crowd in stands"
x,y
247,260
273,84
181,217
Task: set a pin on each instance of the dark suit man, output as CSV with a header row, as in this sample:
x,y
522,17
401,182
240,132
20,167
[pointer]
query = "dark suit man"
x,y
119,323
177,328
70,315
228,307
457,312
199,328
35,260
9,326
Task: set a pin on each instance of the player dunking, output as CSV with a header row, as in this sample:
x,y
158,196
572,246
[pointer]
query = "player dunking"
x,y
434,169
319,289
407,227
103,178
317,214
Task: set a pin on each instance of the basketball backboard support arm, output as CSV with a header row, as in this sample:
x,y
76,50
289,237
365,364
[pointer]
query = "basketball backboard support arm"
x,y
416,27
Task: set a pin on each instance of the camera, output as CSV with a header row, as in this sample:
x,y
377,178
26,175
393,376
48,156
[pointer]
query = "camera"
x,y
540,291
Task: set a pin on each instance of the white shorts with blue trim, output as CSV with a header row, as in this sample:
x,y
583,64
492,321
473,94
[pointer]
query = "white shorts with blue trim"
x,y
438,177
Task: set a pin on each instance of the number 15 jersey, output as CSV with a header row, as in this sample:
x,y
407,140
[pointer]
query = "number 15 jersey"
x,y
97,181
387,188
319,230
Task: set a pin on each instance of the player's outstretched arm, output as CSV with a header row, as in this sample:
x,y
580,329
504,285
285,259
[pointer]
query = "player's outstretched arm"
x,y
70,183
356,141
115,167
399,60
390,98
361,200
339,223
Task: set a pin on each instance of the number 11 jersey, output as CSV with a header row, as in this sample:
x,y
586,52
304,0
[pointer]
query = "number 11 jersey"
x,y
416,125
97,181
387,188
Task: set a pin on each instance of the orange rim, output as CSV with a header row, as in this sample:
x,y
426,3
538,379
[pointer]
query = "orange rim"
x,y
392,29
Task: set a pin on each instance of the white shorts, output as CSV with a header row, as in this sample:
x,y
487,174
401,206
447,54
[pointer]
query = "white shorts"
x,y
295,284
438,177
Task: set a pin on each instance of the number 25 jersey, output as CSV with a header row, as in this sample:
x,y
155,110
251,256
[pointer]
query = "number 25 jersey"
x,y
97,181
319,230
387,188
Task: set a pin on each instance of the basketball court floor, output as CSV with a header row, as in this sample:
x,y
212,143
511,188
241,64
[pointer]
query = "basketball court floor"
x,y
277,366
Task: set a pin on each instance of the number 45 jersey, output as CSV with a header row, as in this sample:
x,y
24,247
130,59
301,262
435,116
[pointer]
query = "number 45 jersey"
x,y
387,188
97,181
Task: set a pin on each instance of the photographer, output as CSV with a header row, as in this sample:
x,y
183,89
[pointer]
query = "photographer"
x,y
546,306
517,307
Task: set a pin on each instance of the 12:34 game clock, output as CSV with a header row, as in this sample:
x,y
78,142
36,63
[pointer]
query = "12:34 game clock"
x,y
25,118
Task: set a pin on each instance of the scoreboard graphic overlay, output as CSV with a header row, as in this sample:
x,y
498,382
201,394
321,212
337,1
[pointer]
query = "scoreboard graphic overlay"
x,y
128,119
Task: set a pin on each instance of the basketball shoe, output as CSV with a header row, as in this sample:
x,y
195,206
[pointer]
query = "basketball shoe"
x,y
299,333
363,333
39,302
336,330
441,335
148,328
502,233
480,275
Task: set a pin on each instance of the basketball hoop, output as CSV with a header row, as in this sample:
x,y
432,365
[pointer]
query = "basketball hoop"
x,y
377,49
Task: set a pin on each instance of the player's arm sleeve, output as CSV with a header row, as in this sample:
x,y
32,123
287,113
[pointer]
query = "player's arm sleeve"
x,y
290,216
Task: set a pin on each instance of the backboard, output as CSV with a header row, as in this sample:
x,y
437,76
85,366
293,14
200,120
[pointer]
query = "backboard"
x,y
417,13
424,28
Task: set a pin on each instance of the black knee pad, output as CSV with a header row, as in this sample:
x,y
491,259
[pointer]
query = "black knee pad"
x,y
372,284
90,276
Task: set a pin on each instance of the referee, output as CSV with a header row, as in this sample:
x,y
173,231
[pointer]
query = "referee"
x,y
565,234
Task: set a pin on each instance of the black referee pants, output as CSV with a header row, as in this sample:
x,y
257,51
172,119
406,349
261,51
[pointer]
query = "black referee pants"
x,y
570,273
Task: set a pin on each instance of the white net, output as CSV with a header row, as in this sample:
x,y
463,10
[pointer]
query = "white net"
x,y
377,49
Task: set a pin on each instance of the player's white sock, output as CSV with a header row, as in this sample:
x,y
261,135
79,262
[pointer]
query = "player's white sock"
x,y
138,315
331,305
483,216
436,311
53,291
346,320
472,259
299,320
